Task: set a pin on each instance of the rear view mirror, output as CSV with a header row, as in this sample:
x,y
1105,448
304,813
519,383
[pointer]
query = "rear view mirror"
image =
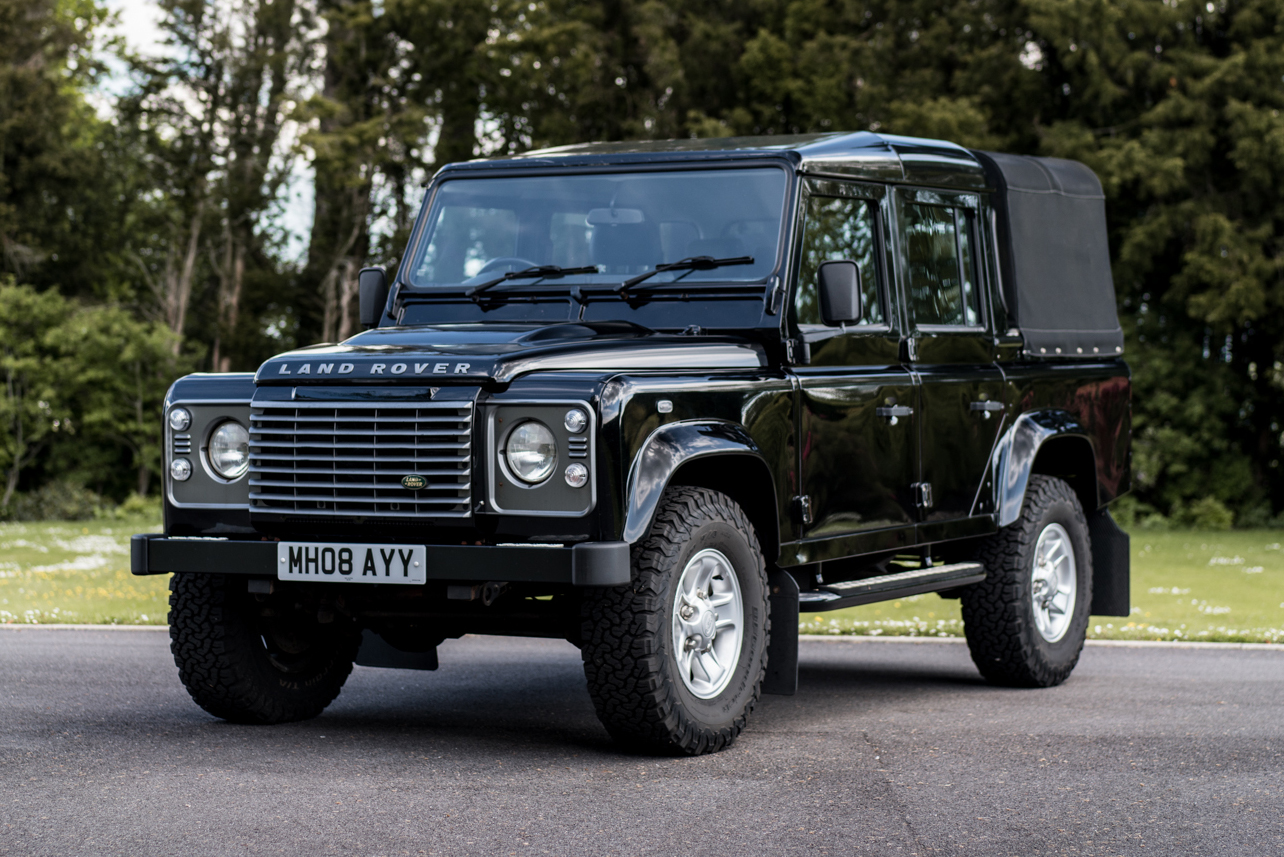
x,y
615,216
839,284
372,285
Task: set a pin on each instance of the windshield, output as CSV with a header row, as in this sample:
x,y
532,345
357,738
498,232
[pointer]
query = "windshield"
x,y
623,224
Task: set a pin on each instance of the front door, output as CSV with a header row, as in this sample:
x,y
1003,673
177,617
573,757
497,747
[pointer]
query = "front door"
x,y
951,351
858,436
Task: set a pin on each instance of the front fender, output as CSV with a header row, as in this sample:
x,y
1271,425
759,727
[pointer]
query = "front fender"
x,y
1014,456
663,452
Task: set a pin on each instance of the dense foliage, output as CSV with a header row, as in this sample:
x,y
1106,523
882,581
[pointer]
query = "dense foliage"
x,y
155,196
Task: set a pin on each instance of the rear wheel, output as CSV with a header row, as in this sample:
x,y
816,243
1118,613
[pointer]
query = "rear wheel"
x,y
1026,622
252,662
675,660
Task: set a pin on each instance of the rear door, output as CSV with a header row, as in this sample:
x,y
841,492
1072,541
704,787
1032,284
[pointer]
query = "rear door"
x,y
858,432
951,352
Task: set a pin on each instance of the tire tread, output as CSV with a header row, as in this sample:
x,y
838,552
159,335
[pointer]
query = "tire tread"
x,y
223,671
624,628
996,616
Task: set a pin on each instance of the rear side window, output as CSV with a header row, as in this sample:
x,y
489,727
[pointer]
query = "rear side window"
x,y
838,228
940,253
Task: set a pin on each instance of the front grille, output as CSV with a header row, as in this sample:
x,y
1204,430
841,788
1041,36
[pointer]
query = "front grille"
x,y
348,459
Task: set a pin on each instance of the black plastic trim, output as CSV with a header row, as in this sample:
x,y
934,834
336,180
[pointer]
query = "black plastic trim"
x,y
667,449
586,564
600,564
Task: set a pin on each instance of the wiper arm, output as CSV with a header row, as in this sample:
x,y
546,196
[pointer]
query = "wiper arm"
x,y
539,271
694,263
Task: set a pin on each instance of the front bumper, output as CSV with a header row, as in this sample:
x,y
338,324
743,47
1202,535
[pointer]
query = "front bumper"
x,y
587,564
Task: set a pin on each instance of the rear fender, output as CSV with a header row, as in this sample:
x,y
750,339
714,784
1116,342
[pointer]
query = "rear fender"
x,y
1015,459
1017,451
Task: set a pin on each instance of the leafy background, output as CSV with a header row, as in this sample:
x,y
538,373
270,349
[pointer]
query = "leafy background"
x,y
142,196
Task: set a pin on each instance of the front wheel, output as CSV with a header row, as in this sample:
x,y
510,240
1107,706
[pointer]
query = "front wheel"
x,y
675,660
252,662
1026,622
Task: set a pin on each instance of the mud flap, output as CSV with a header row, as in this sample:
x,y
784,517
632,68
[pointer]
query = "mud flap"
x,y
377,652
782,650
1111,562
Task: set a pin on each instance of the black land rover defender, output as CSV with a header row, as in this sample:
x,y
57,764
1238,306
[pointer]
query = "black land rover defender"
x,y
656,399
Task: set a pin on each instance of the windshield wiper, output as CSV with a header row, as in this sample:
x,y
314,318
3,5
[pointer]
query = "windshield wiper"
x,y
694,263
539,271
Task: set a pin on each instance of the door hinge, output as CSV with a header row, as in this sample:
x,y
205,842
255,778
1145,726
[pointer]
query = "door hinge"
x,y
802,509
797,352
909,350
775,296
923,494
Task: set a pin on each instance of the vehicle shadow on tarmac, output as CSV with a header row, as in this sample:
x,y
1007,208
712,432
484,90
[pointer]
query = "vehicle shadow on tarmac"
x,y
532,693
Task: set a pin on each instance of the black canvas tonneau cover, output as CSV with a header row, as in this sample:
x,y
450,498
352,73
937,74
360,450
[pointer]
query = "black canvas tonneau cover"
x,y
1053,256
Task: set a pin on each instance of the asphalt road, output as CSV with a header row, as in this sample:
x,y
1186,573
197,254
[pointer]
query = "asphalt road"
x,y
888,748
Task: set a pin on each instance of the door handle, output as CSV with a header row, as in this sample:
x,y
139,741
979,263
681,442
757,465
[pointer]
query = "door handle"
x,y
985,409
894,413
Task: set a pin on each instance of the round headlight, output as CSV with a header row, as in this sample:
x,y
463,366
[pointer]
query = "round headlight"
x,y
575,420
229,451
531,452
180,419
180,469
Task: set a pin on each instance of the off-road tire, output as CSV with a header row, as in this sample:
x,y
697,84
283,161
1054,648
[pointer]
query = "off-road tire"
x,y
998,614
219,639
627,641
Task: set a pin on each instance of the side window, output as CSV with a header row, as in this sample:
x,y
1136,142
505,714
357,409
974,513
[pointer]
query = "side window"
x,y
838,228
940,251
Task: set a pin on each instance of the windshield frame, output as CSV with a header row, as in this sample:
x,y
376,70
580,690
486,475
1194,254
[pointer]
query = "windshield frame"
x,y
404,288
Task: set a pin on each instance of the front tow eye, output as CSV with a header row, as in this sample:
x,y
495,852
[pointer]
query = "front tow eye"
x,y
491,592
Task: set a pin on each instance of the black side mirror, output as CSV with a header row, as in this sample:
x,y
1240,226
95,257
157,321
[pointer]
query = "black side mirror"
x,y
372,285
839,292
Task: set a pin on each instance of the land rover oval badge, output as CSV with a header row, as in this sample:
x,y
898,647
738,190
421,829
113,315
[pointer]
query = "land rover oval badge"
x,y
413,483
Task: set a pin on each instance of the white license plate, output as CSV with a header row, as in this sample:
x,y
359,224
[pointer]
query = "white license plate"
x,y
329,562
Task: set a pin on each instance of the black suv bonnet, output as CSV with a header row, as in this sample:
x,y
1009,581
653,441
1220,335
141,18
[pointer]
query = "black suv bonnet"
x,y
478,353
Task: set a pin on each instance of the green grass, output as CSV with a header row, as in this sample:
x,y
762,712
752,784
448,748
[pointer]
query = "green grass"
x,y
1224,586
1212,586
77,572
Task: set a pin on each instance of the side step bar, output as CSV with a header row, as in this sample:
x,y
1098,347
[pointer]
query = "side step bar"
x,y
885,587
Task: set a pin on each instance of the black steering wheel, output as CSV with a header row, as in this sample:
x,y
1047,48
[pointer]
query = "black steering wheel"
x,y
517,264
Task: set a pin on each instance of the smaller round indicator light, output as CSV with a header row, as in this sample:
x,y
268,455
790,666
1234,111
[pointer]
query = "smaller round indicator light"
x,y
575,420
576,475
180,419
180,469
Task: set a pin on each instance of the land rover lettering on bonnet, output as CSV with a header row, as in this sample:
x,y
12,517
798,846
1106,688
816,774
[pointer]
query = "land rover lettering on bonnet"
x,y
659,399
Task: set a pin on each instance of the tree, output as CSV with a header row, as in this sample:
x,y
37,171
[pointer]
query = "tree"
x,y
1177,107
362,127
34,406
117,371
264,58
210,112
60,206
